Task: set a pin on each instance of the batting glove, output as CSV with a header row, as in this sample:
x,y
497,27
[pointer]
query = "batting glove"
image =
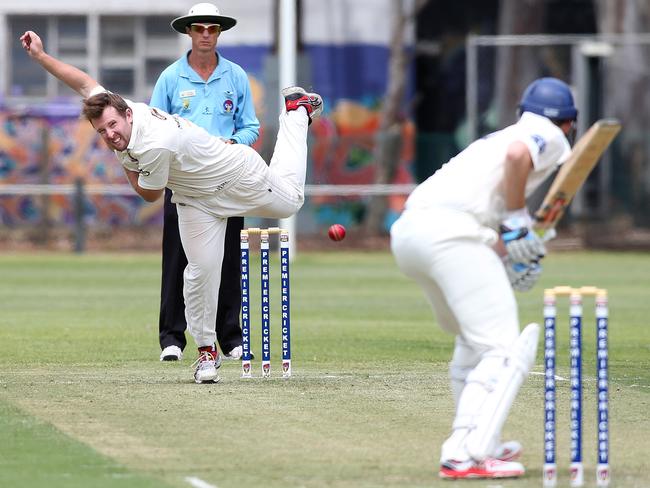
x,y
522,243
522,276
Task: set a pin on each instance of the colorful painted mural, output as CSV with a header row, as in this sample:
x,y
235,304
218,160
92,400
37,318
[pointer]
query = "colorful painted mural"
x,y
37,150
50,144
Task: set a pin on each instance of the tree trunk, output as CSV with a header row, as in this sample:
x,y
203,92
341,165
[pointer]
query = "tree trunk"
x,y
626,86
388,144
516,67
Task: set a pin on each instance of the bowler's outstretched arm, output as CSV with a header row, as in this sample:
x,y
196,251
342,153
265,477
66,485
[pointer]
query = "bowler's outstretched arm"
x,y
76,79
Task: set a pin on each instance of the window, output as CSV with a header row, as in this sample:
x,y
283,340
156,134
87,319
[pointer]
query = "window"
x,y
161,49
131,53
117,37
153,69
118,80
26,77
117,54
159,26
72,36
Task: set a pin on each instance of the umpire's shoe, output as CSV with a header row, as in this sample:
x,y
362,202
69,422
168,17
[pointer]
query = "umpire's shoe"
x,y
171,353
295,96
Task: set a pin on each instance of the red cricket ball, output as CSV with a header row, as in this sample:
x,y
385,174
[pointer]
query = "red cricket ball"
x,y
336,232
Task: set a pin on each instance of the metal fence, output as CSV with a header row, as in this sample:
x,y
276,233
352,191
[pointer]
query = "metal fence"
x,y
610,76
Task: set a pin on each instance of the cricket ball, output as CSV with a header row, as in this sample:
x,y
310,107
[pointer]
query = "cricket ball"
x,y
336,232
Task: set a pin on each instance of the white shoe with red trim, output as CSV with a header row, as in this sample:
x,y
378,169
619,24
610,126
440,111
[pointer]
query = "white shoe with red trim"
x,y
508,451
295,97
489,468
207,364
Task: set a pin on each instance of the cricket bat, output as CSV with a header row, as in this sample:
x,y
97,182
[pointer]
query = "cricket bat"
x,y
573,173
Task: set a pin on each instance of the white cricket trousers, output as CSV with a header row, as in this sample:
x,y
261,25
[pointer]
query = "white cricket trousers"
x,y
274,191
450,255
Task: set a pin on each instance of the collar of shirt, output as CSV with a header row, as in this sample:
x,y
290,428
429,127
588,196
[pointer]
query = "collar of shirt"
x,y
138,121
188,72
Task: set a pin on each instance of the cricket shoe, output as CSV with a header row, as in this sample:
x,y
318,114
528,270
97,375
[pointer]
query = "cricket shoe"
x,y
508,451
234,354
489,468
171,353
207,364
295,97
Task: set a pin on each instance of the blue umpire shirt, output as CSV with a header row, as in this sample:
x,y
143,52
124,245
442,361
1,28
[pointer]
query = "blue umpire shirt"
x,y
223,105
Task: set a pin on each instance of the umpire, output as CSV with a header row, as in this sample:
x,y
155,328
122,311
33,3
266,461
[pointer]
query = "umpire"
x,y
215,94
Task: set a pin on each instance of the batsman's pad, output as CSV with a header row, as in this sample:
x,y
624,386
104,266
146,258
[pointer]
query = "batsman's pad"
x,y
458,377
507,380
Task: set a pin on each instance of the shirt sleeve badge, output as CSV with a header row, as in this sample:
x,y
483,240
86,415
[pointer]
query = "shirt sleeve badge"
x,y
541,143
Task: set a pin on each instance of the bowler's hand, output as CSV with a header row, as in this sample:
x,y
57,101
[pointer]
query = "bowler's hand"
x,y
32,44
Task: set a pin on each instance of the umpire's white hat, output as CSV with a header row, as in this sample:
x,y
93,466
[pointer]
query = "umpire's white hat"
x,y
206,13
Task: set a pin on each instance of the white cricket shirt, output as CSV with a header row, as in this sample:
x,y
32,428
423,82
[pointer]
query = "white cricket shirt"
x,y
472,181
169,151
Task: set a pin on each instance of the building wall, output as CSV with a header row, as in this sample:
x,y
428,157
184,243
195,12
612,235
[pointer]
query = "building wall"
x,y
125,45
128,42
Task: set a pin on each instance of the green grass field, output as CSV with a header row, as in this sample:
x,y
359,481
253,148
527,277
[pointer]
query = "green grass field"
x,y
84,401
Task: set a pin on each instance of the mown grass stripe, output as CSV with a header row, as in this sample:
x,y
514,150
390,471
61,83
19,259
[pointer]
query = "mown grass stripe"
x,y
33,454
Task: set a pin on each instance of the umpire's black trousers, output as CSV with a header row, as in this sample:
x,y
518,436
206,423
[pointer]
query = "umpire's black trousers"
x,y
172,322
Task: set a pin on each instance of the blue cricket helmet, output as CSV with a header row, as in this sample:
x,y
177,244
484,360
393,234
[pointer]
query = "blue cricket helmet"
x,y
549,97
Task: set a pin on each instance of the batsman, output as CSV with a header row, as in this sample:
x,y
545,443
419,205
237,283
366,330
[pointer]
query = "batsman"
x,y
466,237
